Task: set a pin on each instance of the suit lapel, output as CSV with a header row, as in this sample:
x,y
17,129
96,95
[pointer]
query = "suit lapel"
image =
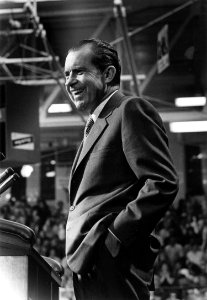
x,y
76,158
97,129
95,132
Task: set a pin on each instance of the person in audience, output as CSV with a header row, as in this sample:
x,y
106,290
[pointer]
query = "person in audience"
x,y
166,278
195,255
173,250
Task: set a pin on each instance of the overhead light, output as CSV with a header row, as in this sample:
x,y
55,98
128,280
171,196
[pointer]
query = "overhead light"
x,y
128,77
188,126
59,108
50,174
190,101
24,1
26,171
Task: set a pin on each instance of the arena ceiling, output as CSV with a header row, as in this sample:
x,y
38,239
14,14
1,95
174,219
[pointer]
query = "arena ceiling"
x,y
35,37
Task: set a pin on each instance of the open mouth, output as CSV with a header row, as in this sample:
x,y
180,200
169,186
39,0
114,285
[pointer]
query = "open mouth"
x,y
78,92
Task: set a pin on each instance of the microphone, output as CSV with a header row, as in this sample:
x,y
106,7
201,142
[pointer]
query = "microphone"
x,y
8,183
8,172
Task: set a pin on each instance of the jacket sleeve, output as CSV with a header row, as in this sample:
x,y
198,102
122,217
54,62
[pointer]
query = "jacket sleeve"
x,y
145,146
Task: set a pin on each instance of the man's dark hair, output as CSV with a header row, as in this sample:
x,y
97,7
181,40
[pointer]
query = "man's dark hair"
x,y
104,55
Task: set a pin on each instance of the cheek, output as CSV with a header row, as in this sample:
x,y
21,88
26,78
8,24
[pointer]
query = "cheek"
x,y
96,89
94,94
94,81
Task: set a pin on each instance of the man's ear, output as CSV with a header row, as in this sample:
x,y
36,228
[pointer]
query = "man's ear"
x,y
109,73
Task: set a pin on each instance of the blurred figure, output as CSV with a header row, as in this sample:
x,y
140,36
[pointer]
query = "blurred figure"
x,y
173,251
166,278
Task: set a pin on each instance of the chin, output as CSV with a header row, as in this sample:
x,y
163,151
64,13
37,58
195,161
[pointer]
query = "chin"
x,y
80,105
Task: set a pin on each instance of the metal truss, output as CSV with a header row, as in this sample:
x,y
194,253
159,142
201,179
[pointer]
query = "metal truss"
x,y
141,86
26,56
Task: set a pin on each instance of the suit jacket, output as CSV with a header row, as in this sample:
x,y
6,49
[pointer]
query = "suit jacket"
x,y
122,179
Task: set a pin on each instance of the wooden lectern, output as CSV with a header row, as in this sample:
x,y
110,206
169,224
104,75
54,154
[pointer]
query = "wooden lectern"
x,y
24,274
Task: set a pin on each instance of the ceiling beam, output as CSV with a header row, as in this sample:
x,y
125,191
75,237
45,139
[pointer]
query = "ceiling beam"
x,y
77,12
101,27
4,60
48,101
155,21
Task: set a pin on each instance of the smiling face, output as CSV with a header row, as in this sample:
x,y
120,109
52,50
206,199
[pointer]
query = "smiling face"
x,y
85,84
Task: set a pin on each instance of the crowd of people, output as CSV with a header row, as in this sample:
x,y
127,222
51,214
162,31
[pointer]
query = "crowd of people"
x,y
47,220
181,265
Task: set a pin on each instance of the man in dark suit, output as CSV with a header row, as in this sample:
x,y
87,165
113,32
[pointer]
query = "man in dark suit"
x,y
121,184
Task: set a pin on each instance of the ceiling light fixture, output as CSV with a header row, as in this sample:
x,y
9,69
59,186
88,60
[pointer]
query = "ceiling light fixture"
x,y
26,171
128,77
59,108
50,174
24,1
190,101
188,126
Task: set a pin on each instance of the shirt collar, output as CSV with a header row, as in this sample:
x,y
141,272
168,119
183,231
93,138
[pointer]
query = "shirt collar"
x,y
100,107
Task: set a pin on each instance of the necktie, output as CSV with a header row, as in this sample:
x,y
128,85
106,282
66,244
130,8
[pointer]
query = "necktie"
x,y
88,126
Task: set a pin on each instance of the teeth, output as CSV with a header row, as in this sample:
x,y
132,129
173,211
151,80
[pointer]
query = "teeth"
x,y
77,92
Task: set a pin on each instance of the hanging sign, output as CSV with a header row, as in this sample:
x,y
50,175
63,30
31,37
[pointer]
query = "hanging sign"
x,y
163,60
24,141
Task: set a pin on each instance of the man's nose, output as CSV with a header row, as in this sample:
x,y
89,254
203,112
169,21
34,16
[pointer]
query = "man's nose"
x,y
70,80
